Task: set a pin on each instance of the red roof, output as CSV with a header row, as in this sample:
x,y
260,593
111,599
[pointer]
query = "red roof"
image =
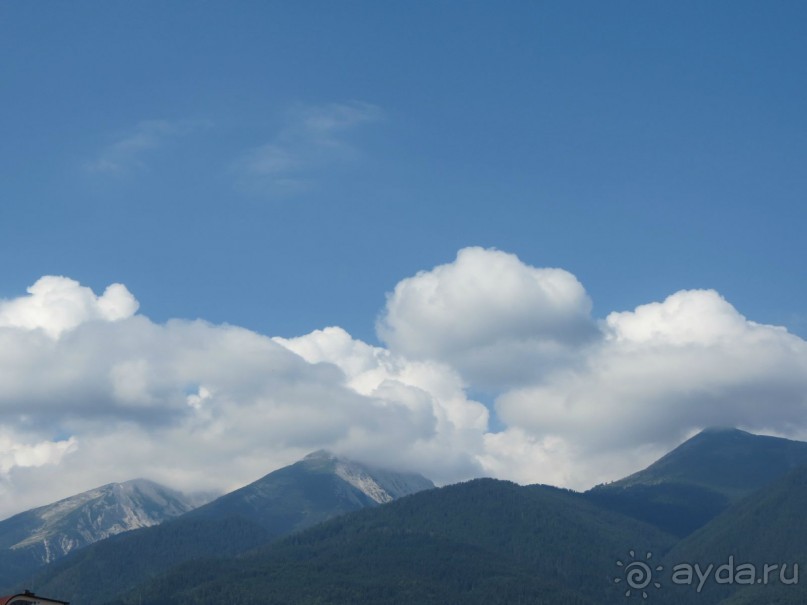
x,y
29,598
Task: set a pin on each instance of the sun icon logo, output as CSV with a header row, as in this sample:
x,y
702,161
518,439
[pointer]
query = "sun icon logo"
x,y
638,575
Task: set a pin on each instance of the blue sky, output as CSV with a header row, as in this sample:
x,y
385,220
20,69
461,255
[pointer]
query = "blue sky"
x,y
287,166
645,147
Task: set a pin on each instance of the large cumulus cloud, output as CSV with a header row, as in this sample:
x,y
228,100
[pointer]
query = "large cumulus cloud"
x,y
494,318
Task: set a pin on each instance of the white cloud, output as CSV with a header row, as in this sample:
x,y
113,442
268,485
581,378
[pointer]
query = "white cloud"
x,y
582,402
313,139
55,304
495,319
14,453
101,394
428,388
662,372
93,392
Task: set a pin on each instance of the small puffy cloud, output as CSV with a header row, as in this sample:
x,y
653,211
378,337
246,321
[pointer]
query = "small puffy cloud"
x,y
55,304
494,318
687,317
314,138
16,453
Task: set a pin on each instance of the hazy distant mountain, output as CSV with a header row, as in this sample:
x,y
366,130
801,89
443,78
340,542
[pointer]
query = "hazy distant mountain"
x,y
317,488
700,478
42,535
484,542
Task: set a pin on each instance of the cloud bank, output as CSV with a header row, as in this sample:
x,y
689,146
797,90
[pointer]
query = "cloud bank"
x,y
92,391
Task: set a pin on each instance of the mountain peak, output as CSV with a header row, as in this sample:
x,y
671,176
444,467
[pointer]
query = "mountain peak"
x,y
719,429
321,455
691,484
728,459
380,485
318,487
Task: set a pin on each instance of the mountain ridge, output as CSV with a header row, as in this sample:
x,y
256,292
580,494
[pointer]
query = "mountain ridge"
x,y
346,542
312,490
124,495
484,541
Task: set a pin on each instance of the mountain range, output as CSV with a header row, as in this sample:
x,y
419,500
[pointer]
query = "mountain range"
x,y
313,490
330,530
